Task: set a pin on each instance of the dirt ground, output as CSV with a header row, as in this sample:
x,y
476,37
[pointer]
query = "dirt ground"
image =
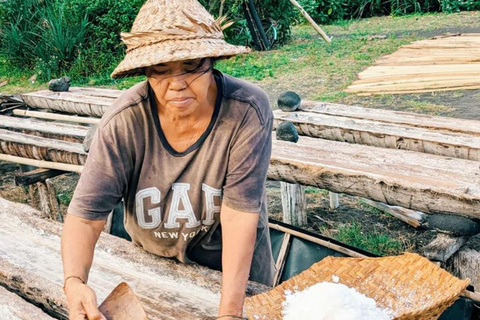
x,y
455,104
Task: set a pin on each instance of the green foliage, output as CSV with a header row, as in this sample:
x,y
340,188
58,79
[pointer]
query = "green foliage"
x,y
37,34
451,6
106,19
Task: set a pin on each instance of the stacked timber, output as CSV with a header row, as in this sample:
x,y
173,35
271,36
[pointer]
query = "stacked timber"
x,y
78,100
439,64
30,264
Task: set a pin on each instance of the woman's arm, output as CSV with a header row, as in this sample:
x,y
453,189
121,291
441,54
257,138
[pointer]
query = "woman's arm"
x,y
78,243
239,231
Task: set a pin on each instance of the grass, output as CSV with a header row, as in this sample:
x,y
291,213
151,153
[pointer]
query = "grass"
x,y
372,241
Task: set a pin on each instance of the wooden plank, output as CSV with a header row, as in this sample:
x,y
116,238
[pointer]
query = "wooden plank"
x,y
440,83
33,147
48,129
12,307
34,176
30,265
55,116
407,119
382,134
413,180
475,87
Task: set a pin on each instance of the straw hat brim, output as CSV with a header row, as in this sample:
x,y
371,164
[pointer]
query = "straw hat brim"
x,y
173,50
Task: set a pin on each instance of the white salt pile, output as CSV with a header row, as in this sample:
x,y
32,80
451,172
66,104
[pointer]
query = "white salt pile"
x,y
331,301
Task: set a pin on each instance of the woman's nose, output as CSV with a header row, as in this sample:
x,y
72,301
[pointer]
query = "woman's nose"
x,y
178,82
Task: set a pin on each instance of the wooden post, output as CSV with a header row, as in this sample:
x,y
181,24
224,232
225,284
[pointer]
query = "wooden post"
x,y
333,200
281,258
309,19
294,204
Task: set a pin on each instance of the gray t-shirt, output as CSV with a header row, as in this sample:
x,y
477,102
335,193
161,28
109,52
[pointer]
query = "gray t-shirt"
x,y
172,200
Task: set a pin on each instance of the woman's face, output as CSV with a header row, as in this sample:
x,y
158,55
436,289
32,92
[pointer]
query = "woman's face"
x,y
181,87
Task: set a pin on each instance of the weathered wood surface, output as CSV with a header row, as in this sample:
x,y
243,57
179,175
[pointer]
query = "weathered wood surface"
x,y
381,134
33,147
466,264
294,204
30,263
413,180
414,218
407,119
443,247
12,307
46,129
82,101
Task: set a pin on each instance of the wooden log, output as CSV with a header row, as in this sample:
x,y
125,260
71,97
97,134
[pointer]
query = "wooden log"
x,y
407,119
414,218
42,164
334,203
12,307
418,181
46,129
443,247
294,204
34,176
379,134
55,116
30,265
33,147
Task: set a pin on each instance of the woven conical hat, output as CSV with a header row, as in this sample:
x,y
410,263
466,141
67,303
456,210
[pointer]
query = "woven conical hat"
x,y
172,30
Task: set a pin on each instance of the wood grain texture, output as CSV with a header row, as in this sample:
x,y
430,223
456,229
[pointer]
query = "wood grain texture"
x,y
413,180
406,119
30,264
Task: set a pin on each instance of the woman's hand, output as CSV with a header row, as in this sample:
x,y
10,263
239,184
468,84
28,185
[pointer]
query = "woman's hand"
x,y
82,301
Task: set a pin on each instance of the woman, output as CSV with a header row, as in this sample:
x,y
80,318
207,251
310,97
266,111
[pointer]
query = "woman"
x,y
187,151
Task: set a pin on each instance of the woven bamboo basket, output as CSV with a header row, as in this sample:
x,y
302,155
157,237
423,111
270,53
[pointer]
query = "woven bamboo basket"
x,y
409,285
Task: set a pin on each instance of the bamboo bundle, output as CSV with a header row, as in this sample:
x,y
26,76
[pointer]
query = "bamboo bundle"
x,y
385,135
39,148
438,64
81,101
